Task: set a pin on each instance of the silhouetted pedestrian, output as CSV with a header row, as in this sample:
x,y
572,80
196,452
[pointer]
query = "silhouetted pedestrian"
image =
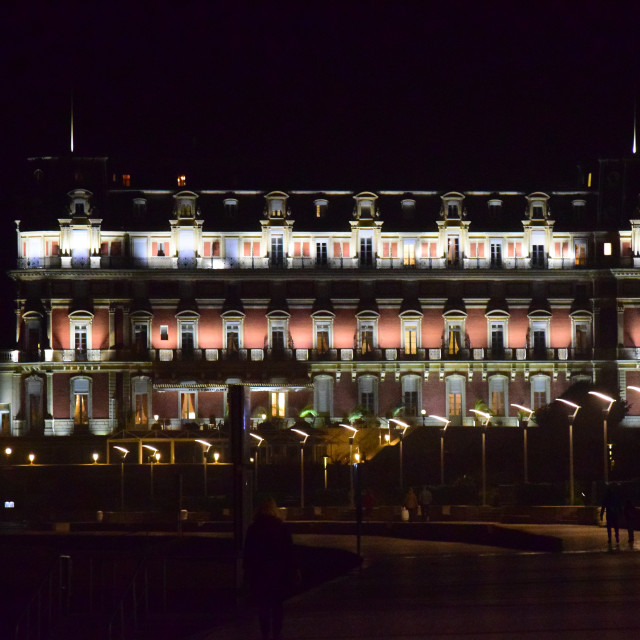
x,y
411,504
612,506
630,520
270,569
425,499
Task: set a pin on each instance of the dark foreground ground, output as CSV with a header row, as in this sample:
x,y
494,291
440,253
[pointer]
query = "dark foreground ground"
x,y
546,581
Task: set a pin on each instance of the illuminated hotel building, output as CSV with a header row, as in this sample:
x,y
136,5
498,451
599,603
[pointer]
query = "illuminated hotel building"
x,y
379,301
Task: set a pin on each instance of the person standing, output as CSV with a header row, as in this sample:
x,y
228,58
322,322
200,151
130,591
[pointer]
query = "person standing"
x,y
612,506
270,568
425,498
411,504
630,520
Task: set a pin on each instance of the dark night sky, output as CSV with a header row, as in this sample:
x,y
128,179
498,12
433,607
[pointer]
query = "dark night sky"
x,y
403,95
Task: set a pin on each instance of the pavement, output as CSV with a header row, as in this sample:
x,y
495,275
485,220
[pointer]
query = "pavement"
x,y
409,589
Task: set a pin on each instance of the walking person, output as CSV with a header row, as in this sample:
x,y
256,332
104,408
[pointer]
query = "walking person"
x,y
270,569
612,506
630,521
425,499
411,504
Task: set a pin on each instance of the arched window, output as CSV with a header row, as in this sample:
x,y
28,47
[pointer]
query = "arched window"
x,y
368,393
81,406
456,399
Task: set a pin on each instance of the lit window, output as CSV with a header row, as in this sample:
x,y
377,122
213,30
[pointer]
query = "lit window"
x,y
367,335
606,248
539,391
81,401
409,251
187,405
455,398
278,404
321,208
126,180
182,180
140,391
498,395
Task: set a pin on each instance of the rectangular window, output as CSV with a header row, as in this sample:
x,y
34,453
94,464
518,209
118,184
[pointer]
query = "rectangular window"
x,y
454,339
514,249
140,336
278,404
367,335
366,252
164,332
409,254
455,403
141,408
277,338
497,395
340,249
580,249
367,393
497,338
411,339
453,250
323,337
539,337
496,254
277,251
476,250
80,411
537,255
233,336
429,249
188,336
389,249
188,405
80,337
321,253
539,392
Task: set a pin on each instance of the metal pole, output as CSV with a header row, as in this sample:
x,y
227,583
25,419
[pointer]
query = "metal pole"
x,y
605,448
122,485
401,483
571,489
302,476
351,471
442,457
204,471
525,423
484,469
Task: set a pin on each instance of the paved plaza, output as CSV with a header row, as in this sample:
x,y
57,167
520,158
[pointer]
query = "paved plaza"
x,y
413,589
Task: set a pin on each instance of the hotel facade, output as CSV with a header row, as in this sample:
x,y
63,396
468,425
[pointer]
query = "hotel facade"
x,y
136,308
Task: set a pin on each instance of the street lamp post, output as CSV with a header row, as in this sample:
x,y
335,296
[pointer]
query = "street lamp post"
x,y
302,442
153,451
525,423
423,413
442,431
124,451
351,438
255,471
205,449
486,417
404,426
610,400
572,417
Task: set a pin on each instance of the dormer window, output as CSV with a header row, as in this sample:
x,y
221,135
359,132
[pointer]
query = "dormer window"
x,y
538,206
320,208
495,206
126,180
185,205
79,205
408,208
365,206
230,207
452,206
277,205
182,180
79,211
139,206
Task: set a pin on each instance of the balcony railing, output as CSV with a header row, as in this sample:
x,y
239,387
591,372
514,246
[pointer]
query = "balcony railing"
x,y
311,263
316,355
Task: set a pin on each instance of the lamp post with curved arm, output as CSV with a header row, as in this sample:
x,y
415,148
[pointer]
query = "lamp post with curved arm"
x,y
572,417
260,440
486,417
525,424
205,449
442,431
302,443
404,426
351,439
605,443
124,451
